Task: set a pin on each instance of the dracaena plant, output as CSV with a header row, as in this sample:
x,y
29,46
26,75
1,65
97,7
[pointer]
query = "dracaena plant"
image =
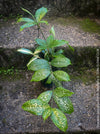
x,y
43,68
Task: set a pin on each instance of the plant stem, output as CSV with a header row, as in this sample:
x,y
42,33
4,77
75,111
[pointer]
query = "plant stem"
x,y
42,34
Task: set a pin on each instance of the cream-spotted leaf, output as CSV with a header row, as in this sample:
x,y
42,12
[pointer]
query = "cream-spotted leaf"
x,y
40,75
46,113
60,62
64,104
61,92
59,119
45,96
61,75
38,64
35,106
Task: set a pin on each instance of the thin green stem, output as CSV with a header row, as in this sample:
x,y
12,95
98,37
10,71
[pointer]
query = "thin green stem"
x,y
42,33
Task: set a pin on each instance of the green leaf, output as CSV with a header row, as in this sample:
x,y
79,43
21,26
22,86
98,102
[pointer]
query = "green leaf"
x,y
50,40
25,51
64,104
35,106
52,31
25,20
40,48
69,45
60,62
26,25
60,51
61,92
50,79
27,12
40,75
58,55
40,13
46,113
38,64
31,60
59,119
57,43
37,51
45,96
43,21
61,75
40,42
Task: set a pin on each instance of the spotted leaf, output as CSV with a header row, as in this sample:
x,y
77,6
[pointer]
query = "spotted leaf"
x,y
38,64
60,62
64,104
61,75
59,119
45,96
40,75
35,106
46,113
61,92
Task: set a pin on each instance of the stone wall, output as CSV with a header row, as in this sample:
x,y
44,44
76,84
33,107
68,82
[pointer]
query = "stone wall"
x,y
75,7
78,7
13,7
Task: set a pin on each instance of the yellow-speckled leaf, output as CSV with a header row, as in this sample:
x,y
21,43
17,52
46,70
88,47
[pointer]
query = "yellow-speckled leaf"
x,y
59,119
61,92
35,106
46,113
45,96
64,104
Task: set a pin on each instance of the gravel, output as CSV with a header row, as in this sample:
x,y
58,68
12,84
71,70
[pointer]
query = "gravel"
x,y
10,37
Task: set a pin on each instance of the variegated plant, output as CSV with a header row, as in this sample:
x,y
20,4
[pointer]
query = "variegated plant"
x,y
43,69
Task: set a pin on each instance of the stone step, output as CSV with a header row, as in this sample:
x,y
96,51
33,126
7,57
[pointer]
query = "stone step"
x,y
82,56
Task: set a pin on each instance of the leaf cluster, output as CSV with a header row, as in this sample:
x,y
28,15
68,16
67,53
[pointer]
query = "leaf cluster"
x,y
43,69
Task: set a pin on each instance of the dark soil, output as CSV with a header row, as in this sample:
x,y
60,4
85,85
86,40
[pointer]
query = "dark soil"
x,y
13,93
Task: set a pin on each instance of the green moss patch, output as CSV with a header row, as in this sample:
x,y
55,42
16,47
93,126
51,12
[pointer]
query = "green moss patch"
x,y
11,74
90,26
85,75
86,24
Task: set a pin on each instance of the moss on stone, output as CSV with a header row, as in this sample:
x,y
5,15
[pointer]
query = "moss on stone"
x,y
89,25
86,24
85,75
